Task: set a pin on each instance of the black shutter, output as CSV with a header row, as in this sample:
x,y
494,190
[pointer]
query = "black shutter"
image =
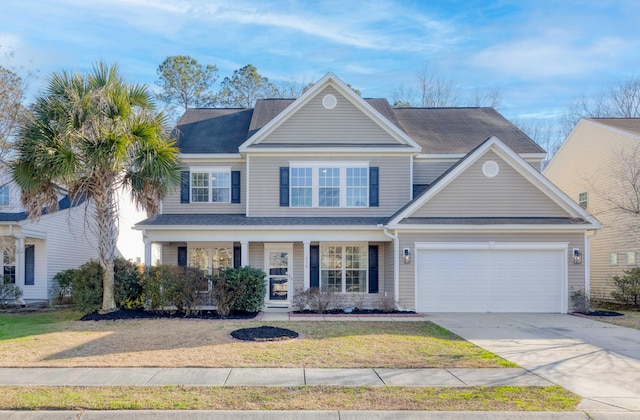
x,y
284,186
374,187
373,268
237,256
184,186
235,186
29,265
314,266
182,256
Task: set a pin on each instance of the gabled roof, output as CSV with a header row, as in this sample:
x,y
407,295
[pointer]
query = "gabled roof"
x,y
574,211
331,80
630,125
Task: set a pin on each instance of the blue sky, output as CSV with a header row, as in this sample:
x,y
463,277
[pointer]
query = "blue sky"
x,y
540,54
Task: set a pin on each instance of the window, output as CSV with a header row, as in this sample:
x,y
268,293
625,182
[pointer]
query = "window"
x,y
211,187
211,260
301,187
631,258
583,200
9,264
4,195
343,268
313,184
613,258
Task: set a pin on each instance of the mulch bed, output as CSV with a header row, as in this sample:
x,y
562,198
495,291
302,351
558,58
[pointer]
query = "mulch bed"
x,y
603,313
264,333
142,314
356,313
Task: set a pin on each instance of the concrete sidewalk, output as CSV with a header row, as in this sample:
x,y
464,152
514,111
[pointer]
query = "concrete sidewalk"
x,y
269,377
310,415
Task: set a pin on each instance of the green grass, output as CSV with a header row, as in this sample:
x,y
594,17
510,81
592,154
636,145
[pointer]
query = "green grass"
x,y
25,324
288,398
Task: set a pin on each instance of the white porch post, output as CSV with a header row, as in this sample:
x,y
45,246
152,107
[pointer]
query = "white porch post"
x,y
20,261
307,256
244,253
147,252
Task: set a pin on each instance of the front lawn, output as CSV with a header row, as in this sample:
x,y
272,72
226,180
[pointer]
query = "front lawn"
x,y
289,398
630,319
29,341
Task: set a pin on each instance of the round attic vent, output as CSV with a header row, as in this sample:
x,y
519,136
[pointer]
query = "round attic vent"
x,y
490,169
329,101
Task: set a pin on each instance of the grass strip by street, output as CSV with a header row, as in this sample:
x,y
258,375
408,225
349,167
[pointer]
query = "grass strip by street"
x,y
630,319
29,341
507,398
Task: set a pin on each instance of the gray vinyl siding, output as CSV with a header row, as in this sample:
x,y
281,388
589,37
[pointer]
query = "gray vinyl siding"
x,y
587,162
264,185
508,194
345,124
576,278
170,253
256,255
171,203
426,171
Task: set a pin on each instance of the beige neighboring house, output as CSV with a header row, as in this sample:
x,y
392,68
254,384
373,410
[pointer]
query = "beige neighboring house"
x,y
34,252
437,209
597,166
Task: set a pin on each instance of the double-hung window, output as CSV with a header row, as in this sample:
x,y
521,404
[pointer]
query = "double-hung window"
x,y
211,186
4,195
343,268
321,184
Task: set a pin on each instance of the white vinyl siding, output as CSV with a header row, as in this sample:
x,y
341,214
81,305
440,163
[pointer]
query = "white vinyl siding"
x,y
264,185
508,194
343,125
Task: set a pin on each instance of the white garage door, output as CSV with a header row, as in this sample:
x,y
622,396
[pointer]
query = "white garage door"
x,y
490,280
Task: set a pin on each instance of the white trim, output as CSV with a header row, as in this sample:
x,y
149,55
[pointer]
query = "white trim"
x,y
331,149
209,156
328,164
518,164
273,235
244,253
331,80
500,246
307,256
209,170
315,182
445,227
454,157
491,245
246,183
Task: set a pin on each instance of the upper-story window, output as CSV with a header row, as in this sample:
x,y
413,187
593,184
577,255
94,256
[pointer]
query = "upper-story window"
x,y
4,195
583,200
212,186
314,184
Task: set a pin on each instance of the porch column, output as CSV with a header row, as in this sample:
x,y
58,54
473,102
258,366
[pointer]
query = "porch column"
x,y
20,261
244,253
307,273
147,252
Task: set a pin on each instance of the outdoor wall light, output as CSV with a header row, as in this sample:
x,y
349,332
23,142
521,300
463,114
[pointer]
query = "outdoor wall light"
x,y
577,256
406,253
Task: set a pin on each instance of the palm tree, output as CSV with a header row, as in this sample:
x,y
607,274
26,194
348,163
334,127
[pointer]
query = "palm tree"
x,y
95,135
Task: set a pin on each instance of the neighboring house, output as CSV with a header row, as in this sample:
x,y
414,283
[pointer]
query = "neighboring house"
x,y
597,166
34,252
439,209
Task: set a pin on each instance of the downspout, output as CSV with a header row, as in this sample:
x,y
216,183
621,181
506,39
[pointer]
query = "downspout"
x,y
587,262
396,264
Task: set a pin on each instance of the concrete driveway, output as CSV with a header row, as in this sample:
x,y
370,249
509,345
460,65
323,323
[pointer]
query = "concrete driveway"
x,y
596,360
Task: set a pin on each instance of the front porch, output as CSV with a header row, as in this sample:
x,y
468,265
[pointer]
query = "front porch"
x,y
23,262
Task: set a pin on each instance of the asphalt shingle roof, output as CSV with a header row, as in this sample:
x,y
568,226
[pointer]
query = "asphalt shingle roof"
x,y
631,125
437,130
64,204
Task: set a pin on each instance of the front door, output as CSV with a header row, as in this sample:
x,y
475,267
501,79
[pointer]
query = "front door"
x,y
278,267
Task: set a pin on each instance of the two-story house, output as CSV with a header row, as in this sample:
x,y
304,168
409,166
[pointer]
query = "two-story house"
x,y
597,166
33,252
440,209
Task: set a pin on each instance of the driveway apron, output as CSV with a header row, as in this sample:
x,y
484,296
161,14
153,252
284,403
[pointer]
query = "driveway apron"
x,y
596,360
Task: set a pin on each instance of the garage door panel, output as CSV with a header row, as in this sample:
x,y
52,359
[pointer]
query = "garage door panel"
x,y
489,280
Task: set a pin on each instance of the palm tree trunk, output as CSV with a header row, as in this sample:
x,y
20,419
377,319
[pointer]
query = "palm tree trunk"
x,y
107,234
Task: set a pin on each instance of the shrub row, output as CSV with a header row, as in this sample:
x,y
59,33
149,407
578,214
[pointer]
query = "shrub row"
x,y
162,287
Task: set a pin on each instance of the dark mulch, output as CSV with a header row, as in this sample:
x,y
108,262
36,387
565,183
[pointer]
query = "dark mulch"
x,y
603,313
356,312
142,314
264,333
